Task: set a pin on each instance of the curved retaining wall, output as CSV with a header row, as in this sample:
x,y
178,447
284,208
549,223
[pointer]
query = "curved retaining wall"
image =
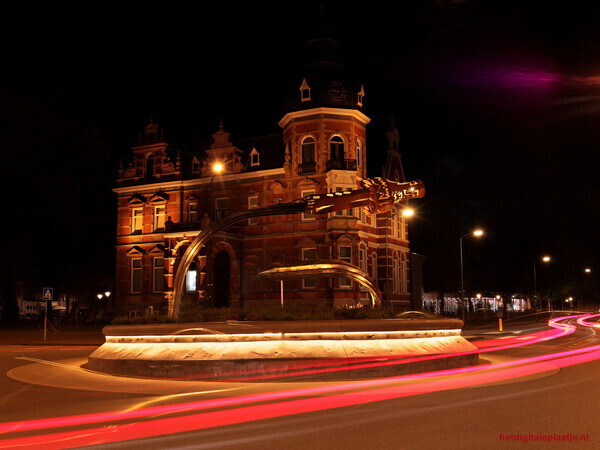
x,y
285,350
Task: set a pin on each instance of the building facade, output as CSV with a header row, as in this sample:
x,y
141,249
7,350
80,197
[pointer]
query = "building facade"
x,y
164,200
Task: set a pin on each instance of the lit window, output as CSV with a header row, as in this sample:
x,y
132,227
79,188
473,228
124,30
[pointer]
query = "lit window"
x,y
309,254
190,278
254,157
346,256
304,91
159,217
308,150
221,207
403,273
136,275
307,216
336,148
195,166
193,215
253,204
137,218
395,274
374,266
347,212
358,153
158,275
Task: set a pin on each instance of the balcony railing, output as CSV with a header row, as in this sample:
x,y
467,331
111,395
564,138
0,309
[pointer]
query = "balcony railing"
x,y
307,167
341,164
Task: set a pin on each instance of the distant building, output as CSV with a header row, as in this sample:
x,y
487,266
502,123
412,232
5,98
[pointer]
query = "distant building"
x,y
164,200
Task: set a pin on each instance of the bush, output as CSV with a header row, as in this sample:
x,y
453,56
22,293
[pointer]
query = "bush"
x,y
265,313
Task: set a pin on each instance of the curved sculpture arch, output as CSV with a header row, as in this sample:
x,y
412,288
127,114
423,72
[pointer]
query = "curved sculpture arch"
x,y
201,239
375,195
332,268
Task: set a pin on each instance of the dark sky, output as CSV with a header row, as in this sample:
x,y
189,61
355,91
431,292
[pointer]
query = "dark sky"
x,y
497,105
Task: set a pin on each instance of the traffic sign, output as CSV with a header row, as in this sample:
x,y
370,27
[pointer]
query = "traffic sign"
x,y
47,293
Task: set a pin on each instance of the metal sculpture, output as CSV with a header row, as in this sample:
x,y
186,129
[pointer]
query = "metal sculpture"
x,y
374,196
332,268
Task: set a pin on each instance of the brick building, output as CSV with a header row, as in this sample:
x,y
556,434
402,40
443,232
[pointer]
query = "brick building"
x,y
165,199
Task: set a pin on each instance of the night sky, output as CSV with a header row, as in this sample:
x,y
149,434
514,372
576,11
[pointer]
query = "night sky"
x,y
497,105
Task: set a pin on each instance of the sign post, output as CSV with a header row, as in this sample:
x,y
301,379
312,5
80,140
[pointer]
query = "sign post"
x,y
47,294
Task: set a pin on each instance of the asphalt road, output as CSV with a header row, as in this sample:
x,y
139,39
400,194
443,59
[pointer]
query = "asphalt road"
x,y
517,398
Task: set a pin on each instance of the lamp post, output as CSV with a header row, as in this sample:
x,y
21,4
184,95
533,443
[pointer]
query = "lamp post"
x,y
406,212
545,259
476,233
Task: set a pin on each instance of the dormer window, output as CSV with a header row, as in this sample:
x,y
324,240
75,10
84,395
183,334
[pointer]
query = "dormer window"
x,y
304,91
195,166
150,166
254,157
361,94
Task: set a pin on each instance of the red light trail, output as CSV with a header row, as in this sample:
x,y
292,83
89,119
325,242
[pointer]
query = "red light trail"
x,y
288,402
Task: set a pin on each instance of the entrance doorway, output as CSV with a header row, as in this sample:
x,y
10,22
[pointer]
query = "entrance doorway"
x,y
222,281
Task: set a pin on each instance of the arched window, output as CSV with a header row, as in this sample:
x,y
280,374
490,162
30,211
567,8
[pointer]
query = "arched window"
x,y
336,148
359,151
308,150
307,164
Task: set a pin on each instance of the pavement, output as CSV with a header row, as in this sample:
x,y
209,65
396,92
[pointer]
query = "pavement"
x,y
92,334
75,335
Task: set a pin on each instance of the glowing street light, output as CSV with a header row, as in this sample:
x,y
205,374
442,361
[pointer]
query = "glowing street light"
x,y
477,233
545,259
217,168
408,212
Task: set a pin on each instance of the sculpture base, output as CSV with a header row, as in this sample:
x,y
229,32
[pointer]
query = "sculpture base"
x,y
290,350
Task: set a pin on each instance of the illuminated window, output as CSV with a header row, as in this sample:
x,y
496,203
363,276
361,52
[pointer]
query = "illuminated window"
x,y
395,273
347,212
254,157
158,279
307,216
309,254
136,275
304,91
358,153
336,149
190,278
403,273
360,95
159,217
193,215
374,266
195,166
345,254
221,207
253,204
137,218
308,150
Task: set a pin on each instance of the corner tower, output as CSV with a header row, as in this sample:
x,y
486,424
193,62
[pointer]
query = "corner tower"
x,y
323,125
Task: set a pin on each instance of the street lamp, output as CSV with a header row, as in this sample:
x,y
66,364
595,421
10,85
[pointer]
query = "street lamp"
x,y
217,168
407,213
545,259
477,233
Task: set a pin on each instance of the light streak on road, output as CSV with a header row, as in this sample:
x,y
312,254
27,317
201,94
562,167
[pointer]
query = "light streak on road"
x,y
294,401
